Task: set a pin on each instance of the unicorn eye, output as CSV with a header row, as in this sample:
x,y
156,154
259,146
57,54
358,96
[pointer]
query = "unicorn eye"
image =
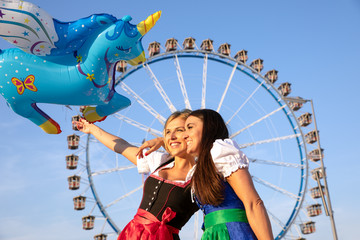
x,y
120,48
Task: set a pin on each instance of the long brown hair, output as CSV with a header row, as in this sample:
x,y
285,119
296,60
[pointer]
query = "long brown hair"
x,y
207,183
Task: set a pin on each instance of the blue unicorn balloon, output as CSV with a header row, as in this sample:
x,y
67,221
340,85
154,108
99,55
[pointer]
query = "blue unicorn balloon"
x,y
67,63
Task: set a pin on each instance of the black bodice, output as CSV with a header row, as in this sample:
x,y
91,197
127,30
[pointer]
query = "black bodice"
x,y
160,194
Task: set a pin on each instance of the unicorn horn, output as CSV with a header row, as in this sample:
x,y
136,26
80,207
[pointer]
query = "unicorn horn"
x,y
145,26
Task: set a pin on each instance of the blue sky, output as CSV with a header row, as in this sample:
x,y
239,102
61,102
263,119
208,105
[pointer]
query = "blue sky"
x,y
313,45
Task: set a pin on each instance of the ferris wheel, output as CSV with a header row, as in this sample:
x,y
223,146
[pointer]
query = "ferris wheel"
x,y
274,130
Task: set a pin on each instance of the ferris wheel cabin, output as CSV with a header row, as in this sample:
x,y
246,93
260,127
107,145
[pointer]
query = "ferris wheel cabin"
x,y
317,173
121,66
100,237
73,141
79,202
311,137
305,119
314,210
74,182
315,192
71,161
272,76
224,49
171,45
308,227
257,64
207,45
285,89
154,48
241,56
189,43
76,119
296,105
316,154
88,222
82,108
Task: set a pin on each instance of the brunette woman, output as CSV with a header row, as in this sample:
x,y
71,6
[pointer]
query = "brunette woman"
x,y
166,204
223,186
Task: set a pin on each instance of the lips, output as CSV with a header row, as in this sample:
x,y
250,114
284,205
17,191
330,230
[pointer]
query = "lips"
x,y
174,144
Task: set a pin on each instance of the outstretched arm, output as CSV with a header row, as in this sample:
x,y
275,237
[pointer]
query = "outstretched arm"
x,y
256,213
113,142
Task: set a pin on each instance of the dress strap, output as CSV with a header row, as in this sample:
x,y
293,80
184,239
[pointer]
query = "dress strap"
x,y
225,216
164,164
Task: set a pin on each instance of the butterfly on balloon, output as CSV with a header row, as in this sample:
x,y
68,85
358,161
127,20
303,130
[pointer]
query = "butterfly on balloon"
x,y
28,83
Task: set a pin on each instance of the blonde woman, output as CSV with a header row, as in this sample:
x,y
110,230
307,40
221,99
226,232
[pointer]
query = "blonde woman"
x,y
166,204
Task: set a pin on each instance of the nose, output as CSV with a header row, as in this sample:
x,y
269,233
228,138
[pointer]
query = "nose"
x,y
173,135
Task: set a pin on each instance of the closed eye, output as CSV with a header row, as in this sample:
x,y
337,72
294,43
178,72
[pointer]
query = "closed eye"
x,y
120,48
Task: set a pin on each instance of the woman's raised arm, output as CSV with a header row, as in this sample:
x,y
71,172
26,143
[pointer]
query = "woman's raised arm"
x,y
111,141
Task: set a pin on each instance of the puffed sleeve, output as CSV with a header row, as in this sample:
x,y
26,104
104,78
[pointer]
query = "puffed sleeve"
x,y
228,157
150,163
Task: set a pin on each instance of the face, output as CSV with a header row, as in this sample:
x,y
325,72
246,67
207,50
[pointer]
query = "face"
x,y
174,139
193,134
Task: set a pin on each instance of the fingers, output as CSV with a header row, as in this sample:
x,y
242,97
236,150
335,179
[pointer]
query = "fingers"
x,y
153,144
152,149
140,150
82,125
140,154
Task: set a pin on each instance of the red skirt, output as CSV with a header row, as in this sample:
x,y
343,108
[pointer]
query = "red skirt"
x,y
146,226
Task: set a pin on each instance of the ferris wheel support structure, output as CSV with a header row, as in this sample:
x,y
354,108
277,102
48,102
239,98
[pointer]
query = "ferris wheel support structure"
x,y
326,201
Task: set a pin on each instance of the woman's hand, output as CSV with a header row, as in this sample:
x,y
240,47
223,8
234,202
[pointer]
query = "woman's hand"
x,y
83,125
153,144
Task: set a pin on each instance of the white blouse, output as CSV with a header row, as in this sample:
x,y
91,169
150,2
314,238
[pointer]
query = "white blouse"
x,y
226,155
148,164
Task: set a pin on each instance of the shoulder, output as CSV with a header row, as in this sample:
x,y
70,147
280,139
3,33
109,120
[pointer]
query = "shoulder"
x,y
228,157
152,161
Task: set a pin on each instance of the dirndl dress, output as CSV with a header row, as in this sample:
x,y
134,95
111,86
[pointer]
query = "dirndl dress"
x,y
228,220
165,207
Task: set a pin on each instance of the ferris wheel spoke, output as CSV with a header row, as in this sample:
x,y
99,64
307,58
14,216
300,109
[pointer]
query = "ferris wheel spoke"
x,y
85,190
160,88
276,220
118,169
276,188
227,86
142,102
245,145
181,82
257,121
242,105
124,196
283,164
204,78
138,125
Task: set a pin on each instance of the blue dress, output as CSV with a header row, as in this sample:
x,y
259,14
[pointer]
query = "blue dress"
x,y
229,230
